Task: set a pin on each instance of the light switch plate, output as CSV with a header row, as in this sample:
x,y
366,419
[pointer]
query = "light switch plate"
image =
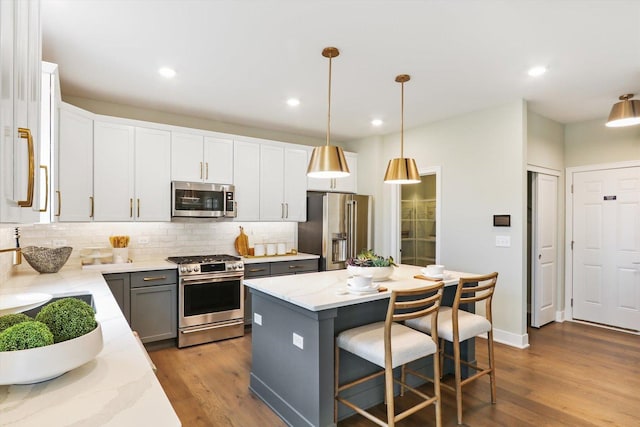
x,y
503,241
298,341
257,318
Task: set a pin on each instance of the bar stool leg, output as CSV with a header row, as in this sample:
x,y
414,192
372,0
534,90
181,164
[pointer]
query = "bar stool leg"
x,y
388,379
458,368
437,372
492,374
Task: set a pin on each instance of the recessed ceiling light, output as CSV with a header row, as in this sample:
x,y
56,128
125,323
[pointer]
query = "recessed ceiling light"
x,y
376,122
167,72
537,71
293,102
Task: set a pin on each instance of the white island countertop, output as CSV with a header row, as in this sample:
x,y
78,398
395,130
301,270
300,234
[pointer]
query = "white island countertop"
x,y
300,256
117,388
327,289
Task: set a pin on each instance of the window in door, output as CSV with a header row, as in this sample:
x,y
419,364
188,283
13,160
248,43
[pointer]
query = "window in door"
x,y
418,222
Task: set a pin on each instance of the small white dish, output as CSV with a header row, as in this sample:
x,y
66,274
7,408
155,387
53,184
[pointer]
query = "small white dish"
x,y
18,303
359,290
432,276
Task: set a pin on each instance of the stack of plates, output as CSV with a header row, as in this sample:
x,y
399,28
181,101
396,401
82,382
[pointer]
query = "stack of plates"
x,y
431,276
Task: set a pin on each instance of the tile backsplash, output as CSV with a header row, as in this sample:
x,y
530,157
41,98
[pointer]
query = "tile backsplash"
x,y
148,240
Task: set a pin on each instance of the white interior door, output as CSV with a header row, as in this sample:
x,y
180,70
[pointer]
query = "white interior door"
x,y
606,255
545,249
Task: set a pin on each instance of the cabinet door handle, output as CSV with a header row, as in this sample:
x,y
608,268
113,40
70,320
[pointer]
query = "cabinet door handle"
x,y
293,267
26,134
138,200
59,202
91,214
200,170
151,279
46,186
130,208
281,210
286,213
256,270
207,170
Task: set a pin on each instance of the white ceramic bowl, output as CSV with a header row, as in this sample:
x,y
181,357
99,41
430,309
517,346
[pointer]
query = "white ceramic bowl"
x,y
44,363
377,274
434,270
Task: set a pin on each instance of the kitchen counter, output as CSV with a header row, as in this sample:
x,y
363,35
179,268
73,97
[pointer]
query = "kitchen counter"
x,y
295,321
325,290
130,267
117,388
278,258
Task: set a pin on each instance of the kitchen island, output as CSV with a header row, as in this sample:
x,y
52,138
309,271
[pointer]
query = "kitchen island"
x,y
117,388
295,320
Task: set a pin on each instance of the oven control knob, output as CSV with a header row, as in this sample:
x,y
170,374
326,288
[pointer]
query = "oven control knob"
x,y
196,268
183,269
188,269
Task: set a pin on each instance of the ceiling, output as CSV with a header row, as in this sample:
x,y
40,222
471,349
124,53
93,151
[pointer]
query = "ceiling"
x,y
238,61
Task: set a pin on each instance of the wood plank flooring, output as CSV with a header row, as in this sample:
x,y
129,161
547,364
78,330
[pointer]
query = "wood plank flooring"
x,y
572,375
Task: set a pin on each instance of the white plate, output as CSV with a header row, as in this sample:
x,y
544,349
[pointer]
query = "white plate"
x,y
17,303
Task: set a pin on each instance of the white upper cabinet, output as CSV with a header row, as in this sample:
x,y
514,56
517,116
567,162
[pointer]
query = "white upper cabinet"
x,y
20,68
218,160
113,179
283,190
343,185
246,179
199,158
74,189
152,176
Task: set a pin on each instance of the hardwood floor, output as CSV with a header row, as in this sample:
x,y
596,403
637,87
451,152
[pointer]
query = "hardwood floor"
x,y
572,375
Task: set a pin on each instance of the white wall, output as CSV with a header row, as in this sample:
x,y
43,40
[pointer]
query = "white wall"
x,y
592,143
482,156
545,149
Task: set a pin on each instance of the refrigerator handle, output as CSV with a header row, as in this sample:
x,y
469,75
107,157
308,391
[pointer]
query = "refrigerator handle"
x,y
352,208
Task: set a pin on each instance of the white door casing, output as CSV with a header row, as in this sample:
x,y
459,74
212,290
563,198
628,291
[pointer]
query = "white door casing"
x,y
545,249
606,255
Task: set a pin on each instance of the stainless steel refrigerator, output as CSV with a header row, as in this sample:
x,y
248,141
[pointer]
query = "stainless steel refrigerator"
x,y
338,227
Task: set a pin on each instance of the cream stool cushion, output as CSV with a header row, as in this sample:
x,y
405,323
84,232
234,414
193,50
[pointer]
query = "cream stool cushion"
x,y
368,342
469,324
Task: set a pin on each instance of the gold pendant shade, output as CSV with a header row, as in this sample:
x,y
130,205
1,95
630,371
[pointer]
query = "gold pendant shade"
x,y
402,170
625,113
328,161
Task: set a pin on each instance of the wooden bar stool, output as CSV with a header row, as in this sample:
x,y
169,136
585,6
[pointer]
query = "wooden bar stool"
x,y
390,344
455,326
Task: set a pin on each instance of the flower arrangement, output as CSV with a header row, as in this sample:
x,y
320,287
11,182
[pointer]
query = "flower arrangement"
x,y
367,258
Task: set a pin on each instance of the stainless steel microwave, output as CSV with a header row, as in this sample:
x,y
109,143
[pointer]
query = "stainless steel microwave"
x,y
202,200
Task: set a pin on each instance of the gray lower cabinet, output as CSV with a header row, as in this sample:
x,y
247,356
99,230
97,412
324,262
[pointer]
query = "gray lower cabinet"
x,y
150,304
267,269
120,285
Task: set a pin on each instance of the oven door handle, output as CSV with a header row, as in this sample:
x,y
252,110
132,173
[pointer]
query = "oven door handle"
x,y
195,281
209,327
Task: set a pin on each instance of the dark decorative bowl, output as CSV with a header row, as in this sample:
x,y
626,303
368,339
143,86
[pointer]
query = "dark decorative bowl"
x,y
46,260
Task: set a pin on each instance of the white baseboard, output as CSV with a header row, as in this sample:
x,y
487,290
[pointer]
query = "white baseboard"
x,y
509,338
560,316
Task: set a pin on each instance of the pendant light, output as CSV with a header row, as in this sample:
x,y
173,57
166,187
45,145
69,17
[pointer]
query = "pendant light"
x,y
624,113
328,161
402,170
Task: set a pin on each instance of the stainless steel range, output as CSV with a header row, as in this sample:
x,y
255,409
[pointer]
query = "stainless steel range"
x,y
210,298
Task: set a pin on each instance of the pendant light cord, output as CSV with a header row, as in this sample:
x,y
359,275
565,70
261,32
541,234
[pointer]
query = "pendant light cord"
x,y
329,103
402,122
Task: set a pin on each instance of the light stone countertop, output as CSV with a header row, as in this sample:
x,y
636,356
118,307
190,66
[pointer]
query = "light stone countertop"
x,y
117,388
325,290
279,258
131,267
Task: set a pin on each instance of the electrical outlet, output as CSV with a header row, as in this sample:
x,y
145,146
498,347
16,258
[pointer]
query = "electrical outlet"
x,y
503,241
57,243
257,318
298,341
143,240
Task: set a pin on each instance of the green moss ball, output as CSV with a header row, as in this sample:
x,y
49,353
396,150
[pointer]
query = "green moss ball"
x,y
25,335
12,319
68,318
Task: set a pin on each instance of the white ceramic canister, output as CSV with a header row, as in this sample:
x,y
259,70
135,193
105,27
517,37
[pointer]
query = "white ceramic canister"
x,y
282,249
271,248
258,250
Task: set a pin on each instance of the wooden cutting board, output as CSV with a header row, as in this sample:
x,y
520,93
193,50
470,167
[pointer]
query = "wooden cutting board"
x,y
242,243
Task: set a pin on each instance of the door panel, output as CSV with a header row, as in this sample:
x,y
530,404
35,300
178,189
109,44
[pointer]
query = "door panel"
x,y
545,251
606,257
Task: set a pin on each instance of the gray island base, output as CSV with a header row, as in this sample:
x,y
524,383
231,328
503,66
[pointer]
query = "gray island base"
x,y
295,320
